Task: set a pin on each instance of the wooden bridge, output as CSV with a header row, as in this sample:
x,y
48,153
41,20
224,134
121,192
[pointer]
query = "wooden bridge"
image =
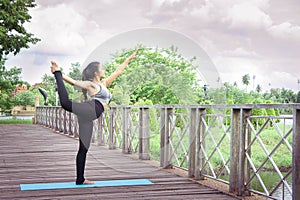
x,y
35,154
229,144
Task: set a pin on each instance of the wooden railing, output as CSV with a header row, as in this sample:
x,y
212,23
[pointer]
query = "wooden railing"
x,y
210,141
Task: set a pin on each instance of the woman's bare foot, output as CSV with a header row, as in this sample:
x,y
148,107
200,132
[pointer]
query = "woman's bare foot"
x,y
88,182
54,67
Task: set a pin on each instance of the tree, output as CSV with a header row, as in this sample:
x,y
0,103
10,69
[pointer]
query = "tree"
x,y
8,80
258,112
287,96
26,98
298,97
13,36
246,80
75,71
160,75
49,85
258,89
76,74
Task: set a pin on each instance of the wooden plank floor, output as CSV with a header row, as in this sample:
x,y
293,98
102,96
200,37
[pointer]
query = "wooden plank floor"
x,y
34,154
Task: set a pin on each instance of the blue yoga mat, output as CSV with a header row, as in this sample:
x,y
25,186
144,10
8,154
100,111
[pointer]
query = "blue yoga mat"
x,y
68,185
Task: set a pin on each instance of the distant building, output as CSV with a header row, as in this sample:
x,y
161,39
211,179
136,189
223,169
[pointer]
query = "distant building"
x,y
20,88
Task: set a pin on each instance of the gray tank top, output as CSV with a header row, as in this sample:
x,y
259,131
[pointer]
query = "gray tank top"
x,y
103,95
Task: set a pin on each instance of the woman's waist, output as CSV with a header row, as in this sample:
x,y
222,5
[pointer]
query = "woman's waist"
x,y
102,101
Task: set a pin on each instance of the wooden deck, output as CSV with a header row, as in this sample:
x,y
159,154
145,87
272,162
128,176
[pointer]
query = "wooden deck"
x,y
34,154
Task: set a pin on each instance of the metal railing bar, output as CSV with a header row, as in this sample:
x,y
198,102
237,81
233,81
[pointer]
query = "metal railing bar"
x,y
255,174
283,182
256,133
216,146
224,167
173,153
207,161
217,149
283,135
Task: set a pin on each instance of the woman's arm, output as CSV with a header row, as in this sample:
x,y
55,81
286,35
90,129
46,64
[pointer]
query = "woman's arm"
x,y
82,84
119,70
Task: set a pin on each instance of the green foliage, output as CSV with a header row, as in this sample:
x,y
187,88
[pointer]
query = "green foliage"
x,y
160,75
8,80
269,136
208,110
298,97
258,112
14,120
75,71
270,111
49,85
13,35
76,74
258,89
217,95
154,123
246,80
227,120
26,98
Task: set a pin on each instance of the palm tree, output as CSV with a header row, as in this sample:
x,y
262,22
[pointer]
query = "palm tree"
x,y
253,78
246,80
258,88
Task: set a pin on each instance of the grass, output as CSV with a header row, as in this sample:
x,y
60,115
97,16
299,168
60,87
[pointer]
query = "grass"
x,y
16,121
269,137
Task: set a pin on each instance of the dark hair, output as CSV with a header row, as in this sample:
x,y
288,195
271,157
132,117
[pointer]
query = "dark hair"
x,y
88,74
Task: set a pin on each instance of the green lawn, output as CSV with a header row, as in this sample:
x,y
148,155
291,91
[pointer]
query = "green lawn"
x,y
16,121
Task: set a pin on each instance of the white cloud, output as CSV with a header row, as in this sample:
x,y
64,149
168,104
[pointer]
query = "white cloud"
x,y
240,52
254,36
247,17
60,28
232,65
286,31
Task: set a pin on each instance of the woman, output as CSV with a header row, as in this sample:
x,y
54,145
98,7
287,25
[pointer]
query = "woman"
x,y
96,87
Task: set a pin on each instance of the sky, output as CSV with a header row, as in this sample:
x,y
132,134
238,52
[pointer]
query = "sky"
x,y
256,37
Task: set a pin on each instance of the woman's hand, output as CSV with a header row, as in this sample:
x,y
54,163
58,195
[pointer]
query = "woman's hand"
x,y
119,70
54,67
132,56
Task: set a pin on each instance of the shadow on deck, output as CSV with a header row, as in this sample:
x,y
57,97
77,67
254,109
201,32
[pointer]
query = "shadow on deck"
x,y
34,154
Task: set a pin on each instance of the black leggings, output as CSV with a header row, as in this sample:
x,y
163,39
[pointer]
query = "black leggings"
x,y
86,112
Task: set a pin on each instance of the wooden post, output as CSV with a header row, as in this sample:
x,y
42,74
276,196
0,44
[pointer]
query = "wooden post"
x,y
95,130
237,151
200,158
71,132
234,150
144,133
61,120
47,117
56,121
43,112
36,115
192,143
76,126
100,140
65,121
125,131
162,136
167,147
112,129
296,155
51,117
247,145
241,167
